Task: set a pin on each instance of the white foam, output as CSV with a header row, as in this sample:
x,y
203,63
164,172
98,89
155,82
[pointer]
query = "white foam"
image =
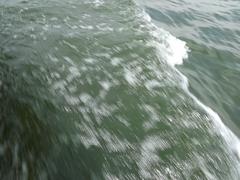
x,y
149,148
68,59
71,45
151,84
74,73
116,61
174,51
90,60
98,2
230,138
54,19
71,100
130,77
85,98
177,50
105,84
86,27
104,27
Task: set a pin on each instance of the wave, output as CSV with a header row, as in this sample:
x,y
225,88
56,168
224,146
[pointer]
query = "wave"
x,y
99,93
174,52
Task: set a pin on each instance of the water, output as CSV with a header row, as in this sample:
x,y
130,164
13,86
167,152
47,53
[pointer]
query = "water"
x,y
212,33
101,89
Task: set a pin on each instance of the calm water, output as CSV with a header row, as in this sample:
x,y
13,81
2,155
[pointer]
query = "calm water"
x,y
119,89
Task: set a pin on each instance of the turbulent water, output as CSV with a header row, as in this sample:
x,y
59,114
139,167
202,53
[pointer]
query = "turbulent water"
x,y
89,89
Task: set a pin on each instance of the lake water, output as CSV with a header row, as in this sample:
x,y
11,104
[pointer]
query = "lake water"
x,y
119,89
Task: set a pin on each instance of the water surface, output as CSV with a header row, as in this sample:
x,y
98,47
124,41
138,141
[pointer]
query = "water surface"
x,y
89,90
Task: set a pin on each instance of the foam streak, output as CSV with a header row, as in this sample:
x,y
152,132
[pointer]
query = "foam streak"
x,y
175,51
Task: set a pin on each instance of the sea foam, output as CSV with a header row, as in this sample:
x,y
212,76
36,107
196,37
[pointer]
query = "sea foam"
x,y
174,52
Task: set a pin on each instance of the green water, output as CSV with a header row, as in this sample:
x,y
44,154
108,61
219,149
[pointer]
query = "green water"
x,y
211,30
88,90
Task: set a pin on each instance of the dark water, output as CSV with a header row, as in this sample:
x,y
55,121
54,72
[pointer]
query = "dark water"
x,y
89,90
